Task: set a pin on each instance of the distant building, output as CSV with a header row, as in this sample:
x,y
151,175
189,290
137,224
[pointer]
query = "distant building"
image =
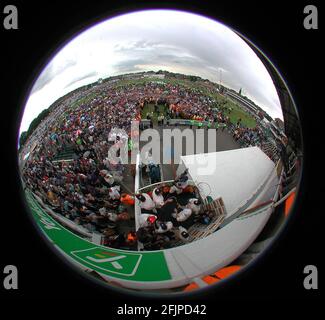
x,y
130,76
155,76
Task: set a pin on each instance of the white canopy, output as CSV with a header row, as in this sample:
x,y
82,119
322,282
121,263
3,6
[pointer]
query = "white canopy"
x,y
235,175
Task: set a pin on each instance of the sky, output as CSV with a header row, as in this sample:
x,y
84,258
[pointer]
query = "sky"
x,y
154,40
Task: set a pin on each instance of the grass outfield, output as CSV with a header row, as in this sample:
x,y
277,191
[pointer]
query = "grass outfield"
x,y
238,113
150,108
83,100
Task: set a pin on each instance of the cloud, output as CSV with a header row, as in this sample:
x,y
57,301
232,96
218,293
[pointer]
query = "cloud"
x,y
136,45
50,72
81,77
153,40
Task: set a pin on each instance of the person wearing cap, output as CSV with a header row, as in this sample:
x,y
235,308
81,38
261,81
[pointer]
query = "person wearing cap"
x,y
183,215
157,197
178,186
180,183
183,234
162,227
195,205
147,220
127,199
146,203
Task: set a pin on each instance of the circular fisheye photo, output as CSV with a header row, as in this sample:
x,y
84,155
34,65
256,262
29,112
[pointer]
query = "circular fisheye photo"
x,y
159,151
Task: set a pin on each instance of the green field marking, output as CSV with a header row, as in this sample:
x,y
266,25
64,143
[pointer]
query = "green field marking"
x,y
122,264
109,261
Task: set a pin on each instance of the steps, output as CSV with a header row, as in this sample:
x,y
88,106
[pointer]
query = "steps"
x,y
67,154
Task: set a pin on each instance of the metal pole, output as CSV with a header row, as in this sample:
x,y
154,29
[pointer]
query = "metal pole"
x,y
285,197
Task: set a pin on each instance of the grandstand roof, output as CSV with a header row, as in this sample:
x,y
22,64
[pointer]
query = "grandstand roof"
x,y
242,101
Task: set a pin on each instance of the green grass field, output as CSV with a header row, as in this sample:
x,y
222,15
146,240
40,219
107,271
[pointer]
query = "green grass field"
x,y
150,108
238,113
83,100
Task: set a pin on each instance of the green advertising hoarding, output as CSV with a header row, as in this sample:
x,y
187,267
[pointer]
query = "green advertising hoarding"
x,y
121,264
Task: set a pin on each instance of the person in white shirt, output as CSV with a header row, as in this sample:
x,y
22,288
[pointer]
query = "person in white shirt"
x,y
180,183
102,211
175,188
158,197
145,201
149,158
112,216
107,176
195,205
183,215
162,227
114,193
146,220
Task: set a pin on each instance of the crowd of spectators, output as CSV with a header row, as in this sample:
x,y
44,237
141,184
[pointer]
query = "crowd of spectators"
x,y
167,212
87,188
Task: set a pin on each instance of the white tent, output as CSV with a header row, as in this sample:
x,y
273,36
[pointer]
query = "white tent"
x,y
235,175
